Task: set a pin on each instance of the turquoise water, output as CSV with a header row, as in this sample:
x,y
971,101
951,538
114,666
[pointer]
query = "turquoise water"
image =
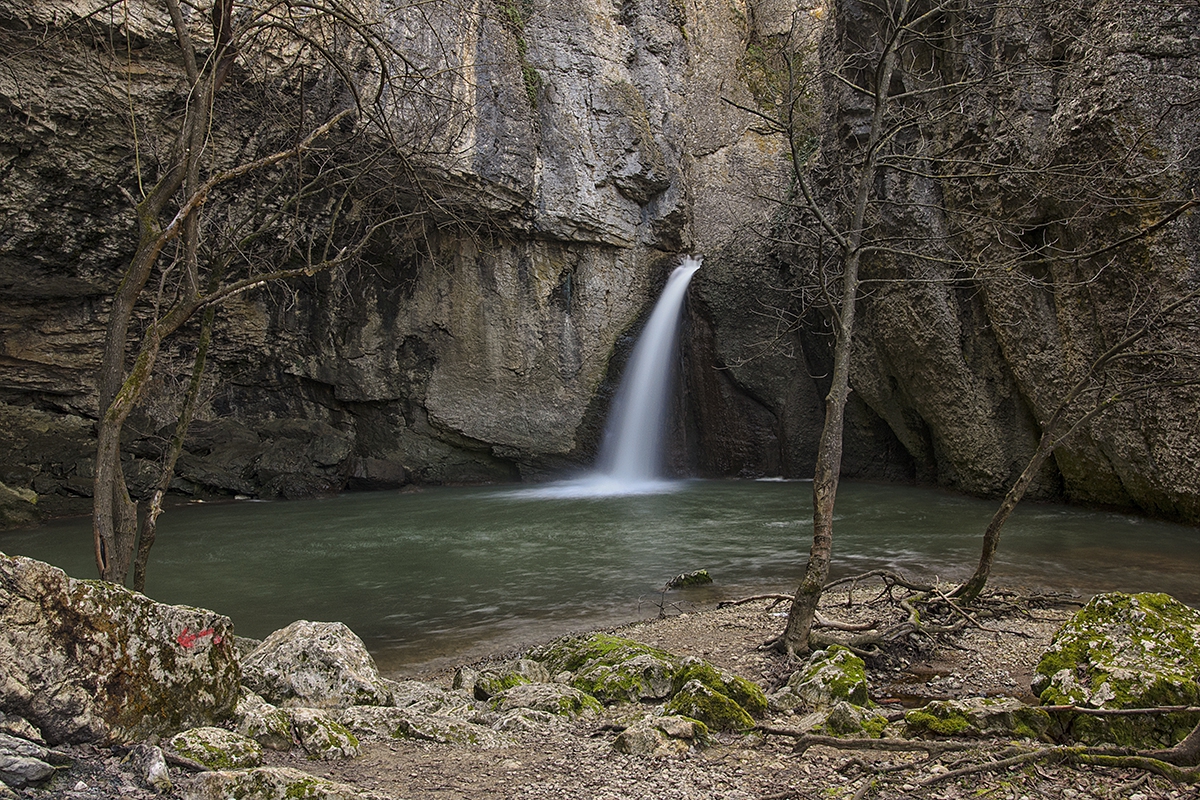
x,y
443,575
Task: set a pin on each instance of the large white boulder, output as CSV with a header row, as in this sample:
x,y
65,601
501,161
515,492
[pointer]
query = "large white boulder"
x,y
315,665
88,661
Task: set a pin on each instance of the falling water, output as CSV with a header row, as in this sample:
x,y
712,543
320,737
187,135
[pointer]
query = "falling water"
x,y
630,459
631,453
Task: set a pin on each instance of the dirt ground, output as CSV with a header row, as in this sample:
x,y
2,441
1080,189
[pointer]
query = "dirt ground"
x,y
577,759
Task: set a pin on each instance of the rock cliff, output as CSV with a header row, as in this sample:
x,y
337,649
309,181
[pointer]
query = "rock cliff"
x,y
598,147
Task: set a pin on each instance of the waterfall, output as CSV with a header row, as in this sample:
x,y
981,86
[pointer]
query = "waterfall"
x,y
631,453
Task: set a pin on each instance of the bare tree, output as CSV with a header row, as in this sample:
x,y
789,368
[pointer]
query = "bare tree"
x,y
292,142
916,92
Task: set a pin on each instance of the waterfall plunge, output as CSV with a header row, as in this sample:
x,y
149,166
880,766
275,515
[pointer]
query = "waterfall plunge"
x,y
632,449
631,455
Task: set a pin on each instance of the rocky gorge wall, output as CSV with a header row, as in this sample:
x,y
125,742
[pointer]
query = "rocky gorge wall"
x,y
598,148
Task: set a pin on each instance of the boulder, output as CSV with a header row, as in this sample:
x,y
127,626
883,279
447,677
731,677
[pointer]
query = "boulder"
x,y
554,698
831,676
660,737
321,736
978,716
423,698
745,693
271,783
488,683
86,661
398,723
611,668
1125,651
314,665
217,748
851,720
264,723
697,700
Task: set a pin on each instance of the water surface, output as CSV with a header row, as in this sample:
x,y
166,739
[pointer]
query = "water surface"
x,y
444,575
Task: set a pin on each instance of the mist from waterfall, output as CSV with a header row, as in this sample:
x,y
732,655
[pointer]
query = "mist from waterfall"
x,y
631,453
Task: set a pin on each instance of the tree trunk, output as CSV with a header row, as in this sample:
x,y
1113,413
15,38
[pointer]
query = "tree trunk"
x,y
991,537
829,451
825,478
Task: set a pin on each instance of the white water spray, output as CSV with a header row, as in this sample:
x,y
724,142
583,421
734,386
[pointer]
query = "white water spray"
x,y
632,449
631,453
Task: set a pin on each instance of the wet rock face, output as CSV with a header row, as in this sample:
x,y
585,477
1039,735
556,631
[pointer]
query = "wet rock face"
x,y
590,132
85,661
954,376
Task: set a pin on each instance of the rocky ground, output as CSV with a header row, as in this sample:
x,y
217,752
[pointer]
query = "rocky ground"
x,y
576,759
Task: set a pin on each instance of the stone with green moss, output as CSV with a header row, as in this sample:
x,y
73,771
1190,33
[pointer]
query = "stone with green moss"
x,y
978,716
565,701
831,676
854,721
612,669
699,701
217,748
272,783
745,693
487,683
1125,651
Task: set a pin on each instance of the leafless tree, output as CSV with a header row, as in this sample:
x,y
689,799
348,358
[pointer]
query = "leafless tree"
x,y
292,142
916,90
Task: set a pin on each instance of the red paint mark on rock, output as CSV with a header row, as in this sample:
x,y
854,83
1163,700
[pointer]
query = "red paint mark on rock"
x,y
188,638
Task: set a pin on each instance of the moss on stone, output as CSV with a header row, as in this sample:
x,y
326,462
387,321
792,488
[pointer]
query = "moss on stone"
x,y
741,691
921,721
703,703
1125,651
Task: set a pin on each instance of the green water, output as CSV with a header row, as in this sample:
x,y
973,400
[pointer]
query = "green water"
x,y
444,575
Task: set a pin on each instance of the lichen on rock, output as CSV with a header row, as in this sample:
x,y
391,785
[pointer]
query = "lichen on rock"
x,y
91,661
314,665
217,748
1126,651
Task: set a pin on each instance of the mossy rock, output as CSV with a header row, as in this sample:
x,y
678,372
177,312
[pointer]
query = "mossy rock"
x,y
274,783
488,683
831,676
321,736
698,578
699,701
745,693
1125,651
400,723
573,653
853,721
217,748
612,669
264,723
661,737
978,716
564,701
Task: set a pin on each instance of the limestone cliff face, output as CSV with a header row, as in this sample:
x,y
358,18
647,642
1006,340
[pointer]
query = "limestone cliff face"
x,y
963,372
598,147
596,150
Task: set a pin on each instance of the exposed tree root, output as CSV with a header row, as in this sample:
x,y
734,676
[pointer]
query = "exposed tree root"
x,y
807,740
